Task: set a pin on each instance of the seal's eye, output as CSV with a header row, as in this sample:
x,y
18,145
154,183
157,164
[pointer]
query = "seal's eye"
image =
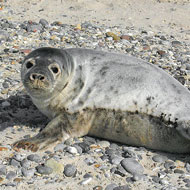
x,y
55,69
29,64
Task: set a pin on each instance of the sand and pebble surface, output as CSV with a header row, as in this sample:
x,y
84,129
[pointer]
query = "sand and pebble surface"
x,y
157,31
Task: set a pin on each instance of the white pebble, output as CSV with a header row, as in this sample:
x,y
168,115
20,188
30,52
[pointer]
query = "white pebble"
x,y
86,181
72,150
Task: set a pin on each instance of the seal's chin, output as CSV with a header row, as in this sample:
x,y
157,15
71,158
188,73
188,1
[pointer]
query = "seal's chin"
x,y
37,87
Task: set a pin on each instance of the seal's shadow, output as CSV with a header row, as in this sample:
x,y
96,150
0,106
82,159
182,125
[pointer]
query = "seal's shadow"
x,y
20,111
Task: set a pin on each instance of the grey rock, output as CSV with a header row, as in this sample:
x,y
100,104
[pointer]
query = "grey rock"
x,y
156,179
110,186
3,170
15,163
116,160
34,157
19,157
138,177
169,165
87,175
159,158
89,161
132,166
26,163
104,144
10,175
187,167
176,43
79,149
59,147
44,169
44,23
123,187
70,170
28,172
178,171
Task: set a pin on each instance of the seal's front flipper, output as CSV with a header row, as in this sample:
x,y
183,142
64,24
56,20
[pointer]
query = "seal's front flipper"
x,y
54,132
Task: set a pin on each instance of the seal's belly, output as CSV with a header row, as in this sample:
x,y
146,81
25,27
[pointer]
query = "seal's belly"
x,y
138,130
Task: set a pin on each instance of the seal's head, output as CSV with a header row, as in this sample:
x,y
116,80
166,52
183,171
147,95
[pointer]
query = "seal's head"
x,y
46,71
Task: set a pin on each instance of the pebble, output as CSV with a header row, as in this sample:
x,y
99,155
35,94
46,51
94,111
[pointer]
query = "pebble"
x,y
3,170
123,187
132,166
59,147
110,186
15,163
56,166
104,144
28,172
86,181
138,177
25,163
44,170
116,160
159,158
34,157
70,170
72,150
10,175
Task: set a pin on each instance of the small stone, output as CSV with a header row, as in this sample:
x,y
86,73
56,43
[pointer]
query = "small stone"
x,y
178,171
56,166
169,165
87,175
159,158
126,37
44,23
3,170
110,186
59,147
104,144
25,163
19,157
34,157
156,179
89,161
132,166
85,181
114,36
176,43
10,175
161,52
98,188
44,169
161,174
70,170
116,160
187,166
71,150
138,177
123,187
28,172
14,163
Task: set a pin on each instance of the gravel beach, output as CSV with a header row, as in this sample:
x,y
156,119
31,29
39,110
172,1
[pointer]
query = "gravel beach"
x,y
157,31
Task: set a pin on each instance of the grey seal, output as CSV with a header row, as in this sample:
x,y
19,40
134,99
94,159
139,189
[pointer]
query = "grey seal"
x,y
107,95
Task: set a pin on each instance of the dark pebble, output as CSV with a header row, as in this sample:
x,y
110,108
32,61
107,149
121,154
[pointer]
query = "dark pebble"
x,y
70,170
44,23
178,171
176,43
10,175
123,187
3,170
169,165
15,163
110,186
85,147
44,169
159,158
34,157
98,188
156,179
132,166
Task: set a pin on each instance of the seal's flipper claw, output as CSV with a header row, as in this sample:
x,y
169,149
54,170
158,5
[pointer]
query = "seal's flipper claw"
x,y
26,144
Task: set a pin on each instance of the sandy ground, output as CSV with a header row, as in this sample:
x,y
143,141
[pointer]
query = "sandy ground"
x,y
169,16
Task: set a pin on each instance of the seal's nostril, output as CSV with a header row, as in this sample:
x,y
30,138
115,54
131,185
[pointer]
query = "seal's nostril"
x,y
35,76
42,78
